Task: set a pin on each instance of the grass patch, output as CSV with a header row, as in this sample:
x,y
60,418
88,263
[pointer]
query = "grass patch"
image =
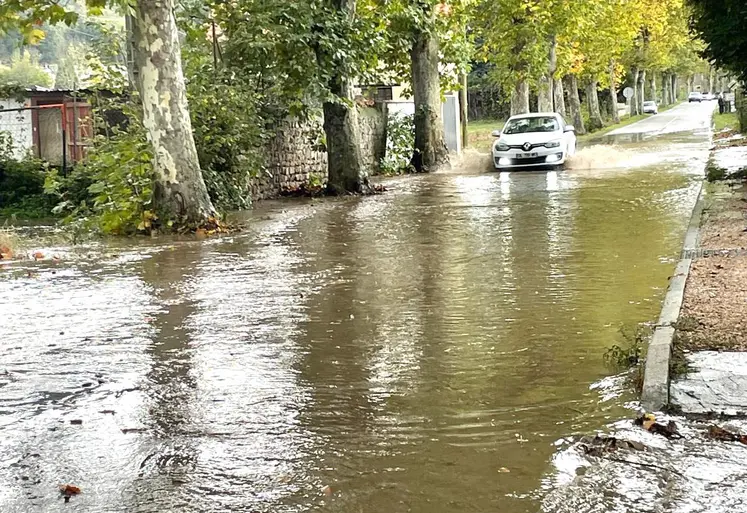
x,y
714,173
480,133
678,364
728,121
628,356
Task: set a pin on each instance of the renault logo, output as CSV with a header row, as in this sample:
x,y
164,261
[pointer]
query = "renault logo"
x,y
527,146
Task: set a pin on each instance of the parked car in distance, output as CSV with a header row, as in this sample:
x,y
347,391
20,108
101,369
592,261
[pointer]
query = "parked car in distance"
x,y
650,107
540,139
708,97
695,96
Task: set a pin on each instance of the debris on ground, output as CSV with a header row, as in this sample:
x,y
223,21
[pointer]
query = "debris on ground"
x,y
600,445
648,422
68,491
719,433
327,490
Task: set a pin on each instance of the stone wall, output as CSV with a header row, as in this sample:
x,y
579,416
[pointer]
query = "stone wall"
x,y
295,155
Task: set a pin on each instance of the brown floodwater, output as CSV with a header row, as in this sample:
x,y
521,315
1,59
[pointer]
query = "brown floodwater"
x,y
417,351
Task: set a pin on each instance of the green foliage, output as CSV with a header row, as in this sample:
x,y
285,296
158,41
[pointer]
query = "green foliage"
x,y
21,184
630,353
24,72
715,173
400,142
722,24
118,180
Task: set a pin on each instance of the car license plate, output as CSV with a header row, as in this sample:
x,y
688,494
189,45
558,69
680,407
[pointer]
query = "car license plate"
x,y
526,155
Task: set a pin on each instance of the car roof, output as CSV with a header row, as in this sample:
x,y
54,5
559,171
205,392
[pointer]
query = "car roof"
x,y
535,115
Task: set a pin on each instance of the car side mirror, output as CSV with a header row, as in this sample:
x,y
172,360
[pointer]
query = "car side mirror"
x,y
569,128
496,133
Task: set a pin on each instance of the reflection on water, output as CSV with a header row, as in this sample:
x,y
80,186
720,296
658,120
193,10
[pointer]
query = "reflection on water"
x,y
416,351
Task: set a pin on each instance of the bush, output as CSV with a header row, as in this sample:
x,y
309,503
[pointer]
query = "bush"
x,y
21,184
230,138
400,144
112,191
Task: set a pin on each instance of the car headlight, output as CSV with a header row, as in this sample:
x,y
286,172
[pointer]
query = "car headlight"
x,y
552,144
501,146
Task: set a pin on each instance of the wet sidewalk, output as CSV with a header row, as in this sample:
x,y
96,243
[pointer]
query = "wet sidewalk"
x,y
712,328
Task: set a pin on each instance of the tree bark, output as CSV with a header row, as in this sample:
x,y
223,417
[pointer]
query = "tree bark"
x,y
559,96
464,110
545,92
430,147
675,92
574,103
179,193
544,88
652,86
667,89
615,116
634,111
641,90
345,171
592,101
520,98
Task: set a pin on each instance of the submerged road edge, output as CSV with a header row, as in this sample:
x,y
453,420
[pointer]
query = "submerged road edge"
x,y
655,392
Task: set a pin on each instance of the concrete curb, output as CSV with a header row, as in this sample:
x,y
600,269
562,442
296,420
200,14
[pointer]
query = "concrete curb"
x,y
655,394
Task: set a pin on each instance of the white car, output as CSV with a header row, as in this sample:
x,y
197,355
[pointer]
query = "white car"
x,y
533,140
695,96
650,108
708,97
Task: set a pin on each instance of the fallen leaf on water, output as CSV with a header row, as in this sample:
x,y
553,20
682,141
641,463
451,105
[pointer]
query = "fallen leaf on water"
x,y
38,255
503,470
76,422
69,490
107,412
327,490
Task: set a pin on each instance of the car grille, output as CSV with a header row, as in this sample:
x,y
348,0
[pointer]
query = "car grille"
x,y
521,146
526,162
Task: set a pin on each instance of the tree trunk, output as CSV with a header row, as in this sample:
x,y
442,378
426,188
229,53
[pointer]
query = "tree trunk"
x,y
641,88
710,79
544,88
520,98
464,110
615,116
430,148
592,102
558,96
546,94
652,86
667,89
345,171
574,103
675,92
635,72
179,193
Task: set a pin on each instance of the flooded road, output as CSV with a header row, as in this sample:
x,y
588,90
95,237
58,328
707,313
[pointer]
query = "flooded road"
x,y
418,351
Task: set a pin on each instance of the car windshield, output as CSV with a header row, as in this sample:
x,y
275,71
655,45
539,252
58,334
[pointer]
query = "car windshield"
x,y
648,104
531,124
